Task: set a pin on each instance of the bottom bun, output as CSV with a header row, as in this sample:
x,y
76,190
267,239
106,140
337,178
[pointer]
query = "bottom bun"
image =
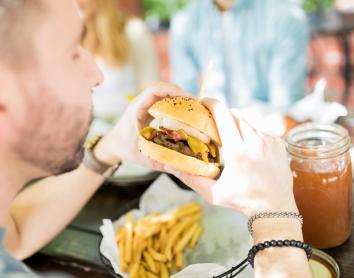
x,y
177,160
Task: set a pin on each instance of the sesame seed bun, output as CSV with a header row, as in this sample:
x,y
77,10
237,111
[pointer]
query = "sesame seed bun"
x,y
188,111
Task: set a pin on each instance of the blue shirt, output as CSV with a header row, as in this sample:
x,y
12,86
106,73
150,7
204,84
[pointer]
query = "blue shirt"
x,y
9,266
258,49
12,268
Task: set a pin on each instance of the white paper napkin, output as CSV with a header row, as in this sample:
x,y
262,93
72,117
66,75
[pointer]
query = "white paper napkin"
x,y
315,108
224,242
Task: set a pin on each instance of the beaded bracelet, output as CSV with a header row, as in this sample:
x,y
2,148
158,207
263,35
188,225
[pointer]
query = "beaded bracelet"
x,y
278,243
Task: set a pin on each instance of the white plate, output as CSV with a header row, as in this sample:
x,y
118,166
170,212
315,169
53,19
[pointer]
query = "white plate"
x,y
130,174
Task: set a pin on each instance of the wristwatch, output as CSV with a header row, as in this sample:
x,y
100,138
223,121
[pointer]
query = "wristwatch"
x,y
91,162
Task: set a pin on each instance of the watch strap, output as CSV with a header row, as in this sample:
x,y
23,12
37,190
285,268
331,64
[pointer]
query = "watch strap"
x,y
94,164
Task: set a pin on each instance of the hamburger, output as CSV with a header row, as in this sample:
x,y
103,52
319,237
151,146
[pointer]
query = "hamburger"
x,y
183,135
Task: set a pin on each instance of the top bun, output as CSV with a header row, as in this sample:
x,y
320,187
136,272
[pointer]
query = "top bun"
x,y
188,111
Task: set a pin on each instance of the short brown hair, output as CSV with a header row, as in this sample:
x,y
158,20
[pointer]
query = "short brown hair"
x,y
17,21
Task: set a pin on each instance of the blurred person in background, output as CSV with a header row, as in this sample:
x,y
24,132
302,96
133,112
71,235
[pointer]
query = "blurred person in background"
x,y
125,53
258,50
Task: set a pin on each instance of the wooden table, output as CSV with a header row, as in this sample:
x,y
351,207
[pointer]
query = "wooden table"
x,y
108,203
344,254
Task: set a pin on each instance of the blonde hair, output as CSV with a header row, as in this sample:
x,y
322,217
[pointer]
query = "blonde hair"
x,y
105,36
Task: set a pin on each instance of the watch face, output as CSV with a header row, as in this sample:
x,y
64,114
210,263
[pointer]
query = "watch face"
x,y
92,142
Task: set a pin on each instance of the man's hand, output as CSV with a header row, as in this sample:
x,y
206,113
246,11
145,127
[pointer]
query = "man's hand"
x,y
256,176
122,142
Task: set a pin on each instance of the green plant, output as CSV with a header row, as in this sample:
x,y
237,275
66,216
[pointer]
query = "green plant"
x,y
162,9
311,6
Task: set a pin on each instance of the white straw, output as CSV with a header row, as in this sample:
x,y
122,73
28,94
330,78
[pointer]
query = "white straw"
x,y
205,79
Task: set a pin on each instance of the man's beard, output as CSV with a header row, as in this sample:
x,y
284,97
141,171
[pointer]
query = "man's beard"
x,y
72,162
53,138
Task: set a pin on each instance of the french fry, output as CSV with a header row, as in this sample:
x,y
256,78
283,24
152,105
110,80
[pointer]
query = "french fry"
x,y
150,262
179,260
157,256
180,212
120,239
149,240
171,223
151,275
163,238
151,231
195,237
119,234
144,264
142,272
128,238
157,244
188,209
164,273
134,270
174,233
187,236
158,268
122,263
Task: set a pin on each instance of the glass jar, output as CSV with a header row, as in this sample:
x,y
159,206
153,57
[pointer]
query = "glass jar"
x,y
322,172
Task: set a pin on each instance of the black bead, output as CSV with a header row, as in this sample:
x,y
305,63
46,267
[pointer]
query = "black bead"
x,y
279,243
273,243
309,253
305,245
254,249
286,242
260,246
292,242
266,244
298,244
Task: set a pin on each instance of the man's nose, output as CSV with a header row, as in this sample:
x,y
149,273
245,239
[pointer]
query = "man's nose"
x,y
96,74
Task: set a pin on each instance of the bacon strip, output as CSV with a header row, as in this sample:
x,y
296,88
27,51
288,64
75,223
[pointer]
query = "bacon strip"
x,y
174,135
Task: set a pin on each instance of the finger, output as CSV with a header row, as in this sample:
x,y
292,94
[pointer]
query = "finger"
x,y
244,126
149,96
160,89
268,139
202,185
279,144
250,135
229,134
152,164
157,91
237,115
